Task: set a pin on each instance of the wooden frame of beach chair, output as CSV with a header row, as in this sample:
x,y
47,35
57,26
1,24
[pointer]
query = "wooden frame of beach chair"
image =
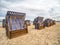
x,y
41,25
34,21
9,24
3,23
38,22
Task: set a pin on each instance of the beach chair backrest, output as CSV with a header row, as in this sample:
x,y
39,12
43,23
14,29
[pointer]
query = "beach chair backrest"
x,y
15,20
39,19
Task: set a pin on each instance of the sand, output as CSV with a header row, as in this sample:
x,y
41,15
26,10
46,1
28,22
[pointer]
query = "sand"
x,y
46,36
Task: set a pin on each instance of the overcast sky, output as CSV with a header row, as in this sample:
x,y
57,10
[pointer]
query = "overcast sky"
x,y
32,8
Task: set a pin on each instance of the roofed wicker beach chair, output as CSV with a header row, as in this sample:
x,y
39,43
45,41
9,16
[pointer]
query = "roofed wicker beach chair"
x,y
15,24
48,22
38,22
54,22
28,22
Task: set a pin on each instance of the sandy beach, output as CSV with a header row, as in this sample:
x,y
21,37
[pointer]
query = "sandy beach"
x,y
46,36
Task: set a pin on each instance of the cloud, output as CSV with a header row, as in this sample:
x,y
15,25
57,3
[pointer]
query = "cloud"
x,y
32,8
14,1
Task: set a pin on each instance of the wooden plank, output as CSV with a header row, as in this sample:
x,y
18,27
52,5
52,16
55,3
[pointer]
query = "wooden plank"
x,y
15,23
10,22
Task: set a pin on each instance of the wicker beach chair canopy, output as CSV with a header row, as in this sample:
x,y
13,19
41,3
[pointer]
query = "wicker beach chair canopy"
x,y
15,20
